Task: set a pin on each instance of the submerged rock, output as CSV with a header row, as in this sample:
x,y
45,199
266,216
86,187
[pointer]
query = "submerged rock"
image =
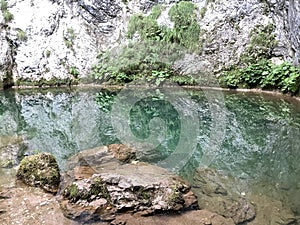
x,y
220,193
122,152
214,195
272,211
40,170
98,186
198,217
11,149
30,206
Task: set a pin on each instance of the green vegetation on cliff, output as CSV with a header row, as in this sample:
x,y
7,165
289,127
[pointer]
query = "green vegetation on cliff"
x,y
264,74
255,69
261,45
8,17
185,32
151,58
154,48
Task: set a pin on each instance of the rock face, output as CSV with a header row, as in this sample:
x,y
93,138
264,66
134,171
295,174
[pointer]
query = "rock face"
x,y
40,170
56,42
229,26
99,186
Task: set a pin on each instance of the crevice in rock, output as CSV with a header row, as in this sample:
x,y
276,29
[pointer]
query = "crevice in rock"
x,y
8,65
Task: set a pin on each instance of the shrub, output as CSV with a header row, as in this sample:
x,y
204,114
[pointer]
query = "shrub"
x,y
186,30
203,11
149,60
285,77
21,35
147,27
48,53
8,17
3,5
69,38
74,72
263,74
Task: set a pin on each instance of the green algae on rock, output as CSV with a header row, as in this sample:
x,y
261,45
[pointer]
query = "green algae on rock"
x,y
40,170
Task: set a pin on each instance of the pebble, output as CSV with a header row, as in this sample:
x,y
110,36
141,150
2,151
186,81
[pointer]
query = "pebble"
x,y
43,203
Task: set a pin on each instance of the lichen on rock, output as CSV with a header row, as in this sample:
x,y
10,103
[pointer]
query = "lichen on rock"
x,y
40,170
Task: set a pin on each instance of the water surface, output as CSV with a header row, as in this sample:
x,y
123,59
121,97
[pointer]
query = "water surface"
x,y
253,137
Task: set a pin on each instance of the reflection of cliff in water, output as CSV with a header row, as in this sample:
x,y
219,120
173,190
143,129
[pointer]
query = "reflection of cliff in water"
x,y
58,122
260,147
12,141
62,123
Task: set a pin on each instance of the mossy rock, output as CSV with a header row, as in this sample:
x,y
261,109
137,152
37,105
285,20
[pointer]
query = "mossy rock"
x,y
40,170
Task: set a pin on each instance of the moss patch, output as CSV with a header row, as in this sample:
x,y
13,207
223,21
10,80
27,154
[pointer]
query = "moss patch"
x,y
97,189
40,170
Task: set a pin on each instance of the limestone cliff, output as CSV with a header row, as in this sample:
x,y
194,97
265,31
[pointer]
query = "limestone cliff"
x,y
57,41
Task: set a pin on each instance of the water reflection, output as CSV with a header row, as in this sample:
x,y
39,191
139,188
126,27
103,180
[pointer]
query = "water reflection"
x,y
261,144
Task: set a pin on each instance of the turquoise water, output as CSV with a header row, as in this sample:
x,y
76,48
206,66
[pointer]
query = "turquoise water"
x,y
254,137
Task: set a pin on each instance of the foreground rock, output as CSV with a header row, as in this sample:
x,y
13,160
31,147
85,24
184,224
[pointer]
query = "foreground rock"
x,y
40,170
102,190
97,186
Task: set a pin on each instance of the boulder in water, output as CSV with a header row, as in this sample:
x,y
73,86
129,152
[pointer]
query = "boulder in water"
x,y
98,187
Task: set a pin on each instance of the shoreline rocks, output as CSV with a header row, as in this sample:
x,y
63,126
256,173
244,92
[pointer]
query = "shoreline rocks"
x,y
216,196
